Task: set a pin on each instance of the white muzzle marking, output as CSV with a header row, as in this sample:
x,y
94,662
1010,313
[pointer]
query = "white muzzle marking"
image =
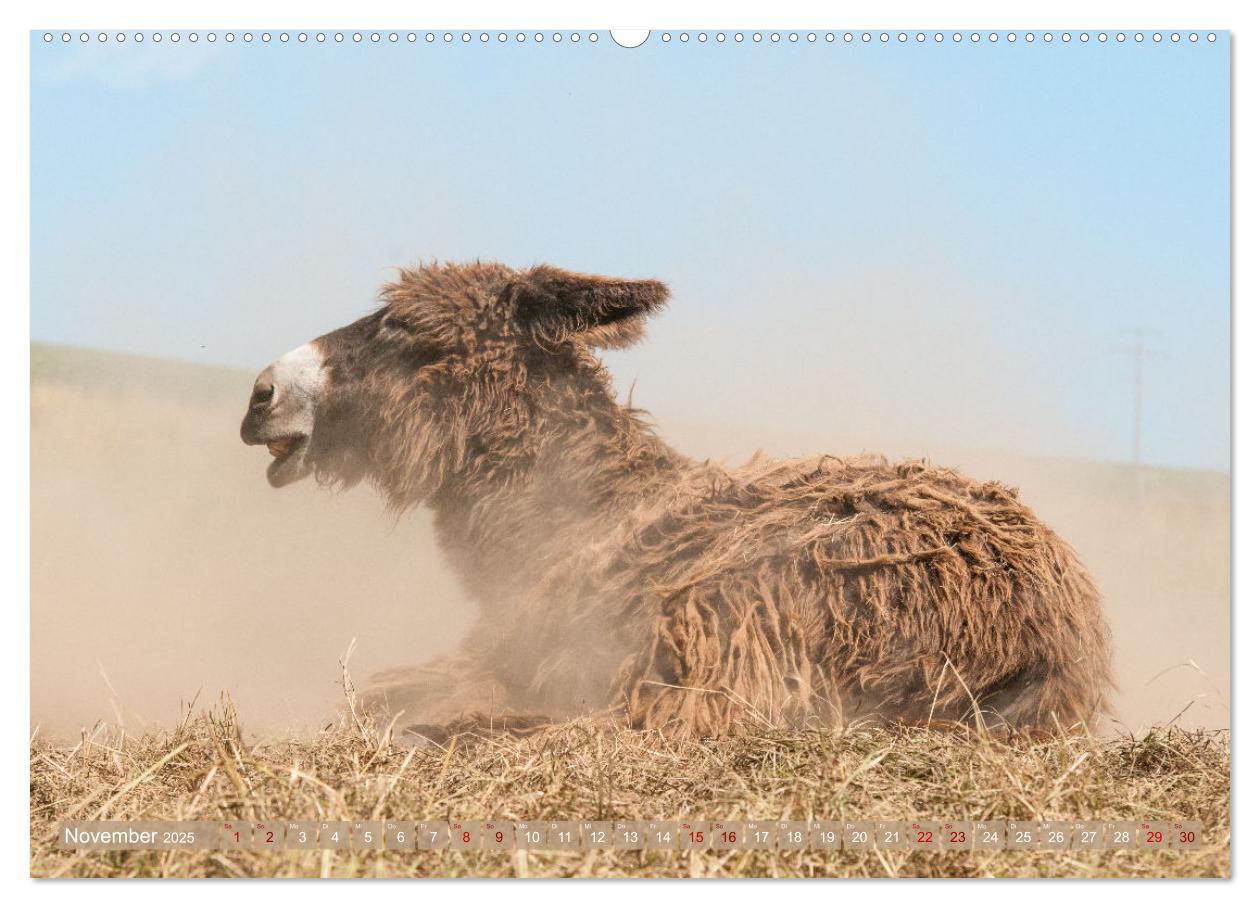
x,y
299,375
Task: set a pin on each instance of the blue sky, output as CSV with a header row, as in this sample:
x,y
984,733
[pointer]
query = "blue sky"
x,y
917,245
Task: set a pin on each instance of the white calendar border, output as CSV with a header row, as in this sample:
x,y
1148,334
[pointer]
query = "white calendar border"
x,y
919,14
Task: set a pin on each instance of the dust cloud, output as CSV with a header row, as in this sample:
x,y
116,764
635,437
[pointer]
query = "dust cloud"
x,y
164,568
163,562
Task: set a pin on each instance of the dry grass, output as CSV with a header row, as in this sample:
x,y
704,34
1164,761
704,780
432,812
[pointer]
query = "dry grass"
x,y
204,769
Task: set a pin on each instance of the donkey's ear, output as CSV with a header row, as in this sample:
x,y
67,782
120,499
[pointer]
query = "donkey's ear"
x,y
555,305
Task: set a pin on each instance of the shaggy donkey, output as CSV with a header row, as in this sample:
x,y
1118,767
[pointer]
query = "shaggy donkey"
x,y
613,573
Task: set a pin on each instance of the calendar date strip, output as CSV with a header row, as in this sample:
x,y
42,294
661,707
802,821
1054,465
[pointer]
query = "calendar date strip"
x,y
630,835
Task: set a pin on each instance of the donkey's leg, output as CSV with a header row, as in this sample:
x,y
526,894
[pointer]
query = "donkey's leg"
x,y
450,694
410,692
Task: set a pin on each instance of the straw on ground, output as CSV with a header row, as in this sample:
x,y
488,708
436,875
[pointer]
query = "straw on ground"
x,y
205,769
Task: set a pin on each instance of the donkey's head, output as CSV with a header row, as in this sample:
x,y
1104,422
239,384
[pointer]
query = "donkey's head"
x,y
445,376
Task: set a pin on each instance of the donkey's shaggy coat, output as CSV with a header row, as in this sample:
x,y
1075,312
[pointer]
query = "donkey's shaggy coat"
x,y
615,573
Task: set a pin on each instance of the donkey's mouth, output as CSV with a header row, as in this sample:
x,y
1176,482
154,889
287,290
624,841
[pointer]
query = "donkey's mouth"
x,y
288,459
281,447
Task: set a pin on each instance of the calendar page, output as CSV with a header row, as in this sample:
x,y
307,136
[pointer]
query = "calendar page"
x,y
556,451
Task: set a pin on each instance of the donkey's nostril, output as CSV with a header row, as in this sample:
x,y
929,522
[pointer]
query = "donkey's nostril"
x,y
264,391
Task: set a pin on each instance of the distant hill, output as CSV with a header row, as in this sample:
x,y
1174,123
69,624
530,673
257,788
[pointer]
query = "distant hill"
x,y
125,373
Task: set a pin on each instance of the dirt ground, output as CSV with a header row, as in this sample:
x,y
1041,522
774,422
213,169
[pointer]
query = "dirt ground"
x,y
164,568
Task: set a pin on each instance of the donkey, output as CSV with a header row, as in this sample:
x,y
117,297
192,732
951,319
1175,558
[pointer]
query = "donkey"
x,y
614,574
